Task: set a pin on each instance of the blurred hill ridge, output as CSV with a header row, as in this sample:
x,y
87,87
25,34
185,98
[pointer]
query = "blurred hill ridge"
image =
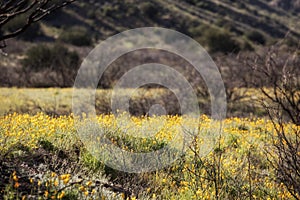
x,y
99,19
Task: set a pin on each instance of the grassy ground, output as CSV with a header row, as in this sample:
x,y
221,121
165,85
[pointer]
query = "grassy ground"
x,y
42,157
45,154
57,101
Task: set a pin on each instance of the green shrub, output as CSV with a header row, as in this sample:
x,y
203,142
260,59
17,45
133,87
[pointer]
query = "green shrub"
x,y
149,9
197,31
63,58
37,58
220,41
256,37
42,57
76,35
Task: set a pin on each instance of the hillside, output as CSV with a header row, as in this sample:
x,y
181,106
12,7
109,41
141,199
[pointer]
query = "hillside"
x,y
221,26
272,19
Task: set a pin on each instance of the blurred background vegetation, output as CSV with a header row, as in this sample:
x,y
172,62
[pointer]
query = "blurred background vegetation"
x,y
48,54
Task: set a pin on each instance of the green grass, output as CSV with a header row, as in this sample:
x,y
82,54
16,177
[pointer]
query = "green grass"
x,y
58,101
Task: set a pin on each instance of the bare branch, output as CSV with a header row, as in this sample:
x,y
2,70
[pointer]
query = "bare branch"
x,y
35,11
280,85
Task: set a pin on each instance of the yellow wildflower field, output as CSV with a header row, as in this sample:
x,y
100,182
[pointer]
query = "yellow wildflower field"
x,y
236,167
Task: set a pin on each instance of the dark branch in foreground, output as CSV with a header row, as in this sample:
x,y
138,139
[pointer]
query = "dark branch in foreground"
x,y
33,11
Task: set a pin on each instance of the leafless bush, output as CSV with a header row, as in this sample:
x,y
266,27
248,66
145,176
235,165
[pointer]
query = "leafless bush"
x,y
235,75
278,77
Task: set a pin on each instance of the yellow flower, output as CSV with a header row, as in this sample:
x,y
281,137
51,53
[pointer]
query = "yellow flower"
x,y
82,188
46,194
123,196
53,174
61,195
86,193
66,181
56,183
65,176
16,185
15,177
89,183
